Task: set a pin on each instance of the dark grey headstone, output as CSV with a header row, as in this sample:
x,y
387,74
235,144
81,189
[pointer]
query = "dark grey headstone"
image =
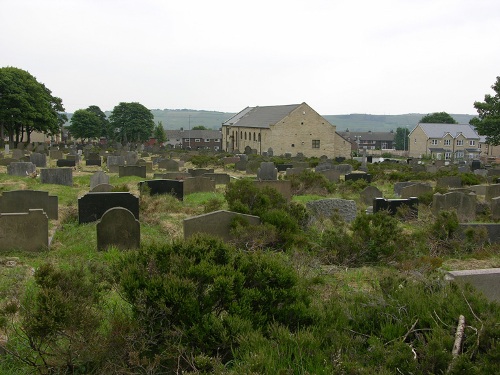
x,y
199,171
154,187
358,176
40,160
102,188
98,178
17,201
132,170
24,231
93,162
169,165
21,169
66,163
118,227
57,176
392,205
92,206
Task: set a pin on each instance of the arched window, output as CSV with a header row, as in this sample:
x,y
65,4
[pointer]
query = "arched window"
x,y
259,137
245,136
254,136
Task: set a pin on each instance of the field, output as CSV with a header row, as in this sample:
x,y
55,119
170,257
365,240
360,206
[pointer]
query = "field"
x,y
282,298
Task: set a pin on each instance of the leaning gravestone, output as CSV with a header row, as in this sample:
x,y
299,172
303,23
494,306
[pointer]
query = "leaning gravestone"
x,y
40,160
267,172
369,194
21,169
327,208
216,223
57,176
92,206
18,201
24,231
118,227
398,186
98,178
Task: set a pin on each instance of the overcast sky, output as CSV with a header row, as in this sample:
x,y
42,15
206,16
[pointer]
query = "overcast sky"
x,y
339,56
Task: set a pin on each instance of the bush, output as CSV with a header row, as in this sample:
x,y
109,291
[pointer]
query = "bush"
x,y
244,197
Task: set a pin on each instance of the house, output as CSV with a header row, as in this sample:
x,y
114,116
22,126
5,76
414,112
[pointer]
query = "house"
x,y
294,128
194,139
370,140
444,141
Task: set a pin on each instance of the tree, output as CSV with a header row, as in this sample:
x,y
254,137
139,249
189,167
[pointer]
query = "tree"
x,y
199,127
85,124
159,133
102,118
488,121
438,118
27,105
401,139
131,122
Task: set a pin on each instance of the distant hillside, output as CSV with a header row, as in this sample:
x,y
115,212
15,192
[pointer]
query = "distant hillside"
x,y
188,118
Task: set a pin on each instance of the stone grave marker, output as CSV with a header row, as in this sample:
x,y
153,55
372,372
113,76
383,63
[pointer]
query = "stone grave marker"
x,y
65,163
131,158
327,208
216,223
154,187
416,190
464,204
219,178
452,182
6,161
398,186
358,176
198,184
92,206
392,205
118,227
492,191
369,194
21,169
24,231
283,167
284,187
485,281
56,154
198,172
267,172
132,170
294,171
102,188
57,176
17,201
252,166
169,165
17,154
113,162
331,175
40,160
172,176
98,178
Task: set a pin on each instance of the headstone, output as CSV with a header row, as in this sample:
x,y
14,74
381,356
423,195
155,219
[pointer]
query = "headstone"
x,y
198,185
485,281
495,209
7,148
398,186
416,190
449,182
270,152
92,206
323,166
464,204
154,187
392,205
17,201
241,165
219,178
267,172
113,162
75,158
131,158
65,163
328,208
56,154
358,176
332,175
98,178
481,172
169,165
369,194
21,169
102,188
57,176
216,223
118,227
492,191
283,167
172,176
132,170
24,231
40,160
230,160
284,187
199,172
147,164
7,161
252,166
93,162
294,171
17,154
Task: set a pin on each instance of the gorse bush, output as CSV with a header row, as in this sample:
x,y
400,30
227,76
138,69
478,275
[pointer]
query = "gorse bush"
x,y
245,197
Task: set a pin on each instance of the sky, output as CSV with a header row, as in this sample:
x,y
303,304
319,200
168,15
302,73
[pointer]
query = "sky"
x,y
339,56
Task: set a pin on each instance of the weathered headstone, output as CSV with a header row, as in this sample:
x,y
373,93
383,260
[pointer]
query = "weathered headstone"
x,y
24,231
199,171
198,185
219,178
92,206
358,176
172,176
283,167
398,186
449,182
21,169
65,163
98,178
284,187
40,160
327,208
17,154
132,170
464,204
492,191
332,175
17,201
416,190
56,154
154,187
57,176
118,227
216,223
485,281
169,165
267,172
369,194
102,188
392,205
113,162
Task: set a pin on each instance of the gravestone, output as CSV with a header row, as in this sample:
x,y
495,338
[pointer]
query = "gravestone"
x,y
267,172
7,148
449,182
369,194
358,176
241,165
40,160
464,204
154,187
485,281
118,227
92,206
57,176
98,178
17,201
199,172
24,231
132,170
66,163
7,161
131,158
492,191
416,190
392,205
283,167
294,171
17,154
198,185
56,154
331,175
147,164
481,172
21,169
216,223
230,160
327,208
219,178
102,188
427,168
284,187
323,166
75,158
398,186
252,166
93,162
169,165
113,162
270,152
172,176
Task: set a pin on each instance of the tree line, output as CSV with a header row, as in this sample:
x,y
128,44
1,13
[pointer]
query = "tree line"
x,y
27,105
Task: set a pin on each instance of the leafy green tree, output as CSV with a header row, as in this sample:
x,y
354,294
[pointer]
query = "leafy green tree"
x,y
438,118
131,122
488,121
199,127
159,133
401,139
85,124
102,117
26,105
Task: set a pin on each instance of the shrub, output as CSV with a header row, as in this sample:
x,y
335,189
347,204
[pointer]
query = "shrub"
x,y
243,196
